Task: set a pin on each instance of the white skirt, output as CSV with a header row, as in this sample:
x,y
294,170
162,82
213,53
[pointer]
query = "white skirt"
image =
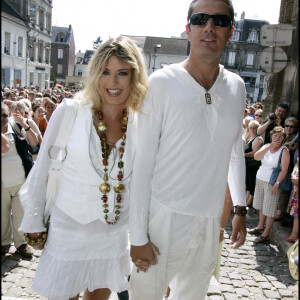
x,y
79,256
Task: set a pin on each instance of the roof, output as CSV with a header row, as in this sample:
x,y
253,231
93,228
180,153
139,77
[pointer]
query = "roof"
x,y
169,46
10,13
65,30
87,56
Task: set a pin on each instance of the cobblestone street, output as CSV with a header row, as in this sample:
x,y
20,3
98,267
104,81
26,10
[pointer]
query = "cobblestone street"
x,y
251,272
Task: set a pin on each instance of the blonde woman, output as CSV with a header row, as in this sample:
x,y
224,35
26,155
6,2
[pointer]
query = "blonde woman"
x,y
87,247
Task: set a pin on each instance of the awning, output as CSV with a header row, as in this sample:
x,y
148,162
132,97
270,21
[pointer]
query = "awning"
x,y
248,74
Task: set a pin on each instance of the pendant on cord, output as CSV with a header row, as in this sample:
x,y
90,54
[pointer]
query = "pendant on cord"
x,y
207,98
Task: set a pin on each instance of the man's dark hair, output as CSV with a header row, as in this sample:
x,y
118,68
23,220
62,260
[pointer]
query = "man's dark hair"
x,y
283,105
228,2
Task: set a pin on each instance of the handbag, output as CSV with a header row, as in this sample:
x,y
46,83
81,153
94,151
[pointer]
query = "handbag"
x,y
286,183
57,153
23,151
292,255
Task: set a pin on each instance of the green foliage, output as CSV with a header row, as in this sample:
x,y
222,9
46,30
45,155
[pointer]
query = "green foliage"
x,y
97,43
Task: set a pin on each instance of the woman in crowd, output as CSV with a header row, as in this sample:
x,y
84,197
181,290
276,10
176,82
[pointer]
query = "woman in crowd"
x,y
254,143
290,128
265,195
49,106
15,165
293,207
258,116
246,132
37,112
87,246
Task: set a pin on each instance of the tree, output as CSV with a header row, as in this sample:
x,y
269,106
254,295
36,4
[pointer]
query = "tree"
x,y
97,42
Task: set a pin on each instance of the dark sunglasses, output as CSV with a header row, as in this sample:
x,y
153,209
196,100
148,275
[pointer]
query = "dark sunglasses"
x,y
291,126
201,19
258,115
4,115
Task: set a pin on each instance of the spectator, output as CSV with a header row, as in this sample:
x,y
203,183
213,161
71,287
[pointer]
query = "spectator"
x,y
49,106
290,128
265,195
252,111
258,115
4,143
258,105
253,144
246,132
14,172
274,119
37,112
293,206
31,96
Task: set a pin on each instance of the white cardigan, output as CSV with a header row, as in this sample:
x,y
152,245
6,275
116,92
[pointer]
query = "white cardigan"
x,y
187,150
79,196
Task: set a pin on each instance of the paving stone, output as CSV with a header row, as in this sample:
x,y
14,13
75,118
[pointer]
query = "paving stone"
x,y
278,285
255,290
226,288
214,290
13,277
19,270
25,263
235,276
224,280
242,292
238,283
5,286
265,285
260,278
229,296
30,274
216,297
24,282
14,292
251,282
10,263
285,293
271,294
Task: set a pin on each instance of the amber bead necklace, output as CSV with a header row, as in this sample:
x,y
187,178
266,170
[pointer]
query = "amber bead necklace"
x,y
105,187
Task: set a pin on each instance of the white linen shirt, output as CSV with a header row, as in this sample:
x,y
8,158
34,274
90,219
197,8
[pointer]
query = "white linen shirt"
x,y
187,150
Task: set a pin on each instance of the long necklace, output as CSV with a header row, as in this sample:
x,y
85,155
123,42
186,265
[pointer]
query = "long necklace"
x,y
207,95
105,187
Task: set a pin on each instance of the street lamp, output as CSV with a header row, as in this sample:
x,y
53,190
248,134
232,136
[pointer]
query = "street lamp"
x,y
156,46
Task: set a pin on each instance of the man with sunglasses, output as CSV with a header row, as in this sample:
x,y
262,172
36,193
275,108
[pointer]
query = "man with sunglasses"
x,y
274,119
188,146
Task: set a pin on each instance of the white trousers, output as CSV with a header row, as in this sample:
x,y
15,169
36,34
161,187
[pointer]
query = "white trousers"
x,y
188,249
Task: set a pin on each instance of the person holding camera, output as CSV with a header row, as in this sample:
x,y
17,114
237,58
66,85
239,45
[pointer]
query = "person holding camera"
x,y
274,119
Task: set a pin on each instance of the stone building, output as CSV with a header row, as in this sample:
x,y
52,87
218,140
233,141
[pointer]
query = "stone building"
x,y
62,53
284,86
26,42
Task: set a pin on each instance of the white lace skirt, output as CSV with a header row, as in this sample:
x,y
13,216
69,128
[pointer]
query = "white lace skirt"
x,y
76,257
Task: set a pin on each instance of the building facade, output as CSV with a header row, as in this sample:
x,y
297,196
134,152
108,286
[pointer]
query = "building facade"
x,y
26,42
62,53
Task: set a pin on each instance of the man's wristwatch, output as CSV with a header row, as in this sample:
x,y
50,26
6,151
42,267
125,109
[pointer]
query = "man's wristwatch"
x,y
240,210
277,182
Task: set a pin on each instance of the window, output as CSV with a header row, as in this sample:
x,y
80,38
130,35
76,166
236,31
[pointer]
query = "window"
x,y
59,69
60,53
231,58
7,43
250,58
20,46
32,14
235,36
41,19
80,72
253,36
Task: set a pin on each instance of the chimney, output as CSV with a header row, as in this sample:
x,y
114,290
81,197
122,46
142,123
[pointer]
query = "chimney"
x,y
70,27
243,15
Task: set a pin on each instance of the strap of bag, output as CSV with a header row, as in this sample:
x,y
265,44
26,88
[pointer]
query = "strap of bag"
x,y
279,159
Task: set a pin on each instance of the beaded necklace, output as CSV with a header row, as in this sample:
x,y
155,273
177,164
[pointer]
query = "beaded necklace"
x,y
105,187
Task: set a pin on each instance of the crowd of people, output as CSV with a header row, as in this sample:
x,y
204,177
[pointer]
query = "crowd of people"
x,y
143,158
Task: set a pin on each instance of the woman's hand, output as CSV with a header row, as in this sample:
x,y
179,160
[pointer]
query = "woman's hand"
x,y
295,180
19,118
37,235
274,190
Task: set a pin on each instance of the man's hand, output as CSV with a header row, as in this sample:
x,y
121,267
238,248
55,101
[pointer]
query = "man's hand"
x,y
238,236
143,256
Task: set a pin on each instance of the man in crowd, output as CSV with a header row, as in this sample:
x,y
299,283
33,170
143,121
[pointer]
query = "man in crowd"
x,y
274,119
189,144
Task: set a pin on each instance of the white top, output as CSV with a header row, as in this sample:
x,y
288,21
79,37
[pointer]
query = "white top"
x,y
187,150
12,168
269,161
81,174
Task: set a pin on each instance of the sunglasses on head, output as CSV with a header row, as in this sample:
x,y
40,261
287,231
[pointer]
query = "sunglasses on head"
x,y
201,19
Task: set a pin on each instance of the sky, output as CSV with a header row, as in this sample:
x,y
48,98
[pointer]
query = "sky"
x,y
160,18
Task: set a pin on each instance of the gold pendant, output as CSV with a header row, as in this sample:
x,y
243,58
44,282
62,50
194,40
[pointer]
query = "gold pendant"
x,y
104,188
124,120
119,188
102,126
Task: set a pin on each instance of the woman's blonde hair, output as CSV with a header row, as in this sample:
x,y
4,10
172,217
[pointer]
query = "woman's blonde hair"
x,y
253,122
281,130
126,50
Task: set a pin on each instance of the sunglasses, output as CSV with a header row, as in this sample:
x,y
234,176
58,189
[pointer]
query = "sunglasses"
x,y
4,116
201,19
291,126
258,115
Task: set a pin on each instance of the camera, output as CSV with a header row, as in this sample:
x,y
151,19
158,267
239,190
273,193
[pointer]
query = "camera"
x,y
272,117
